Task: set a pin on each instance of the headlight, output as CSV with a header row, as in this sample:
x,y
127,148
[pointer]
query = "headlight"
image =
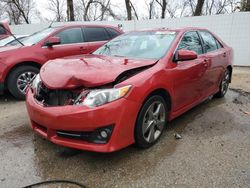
x,y
102,96
36,82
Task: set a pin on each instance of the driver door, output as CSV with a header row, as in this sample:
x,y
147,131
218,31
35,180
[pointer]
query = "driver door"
x,y
72,43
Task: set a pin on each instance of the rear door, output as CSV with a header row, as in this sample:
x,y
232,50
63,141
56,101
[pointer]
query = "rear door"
x,y
188,82
72,43
215,56
95,37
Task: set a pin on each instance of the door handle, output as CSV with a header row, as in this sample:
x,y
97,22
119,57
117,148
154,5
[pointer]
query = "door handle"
x,y
224,54
82,48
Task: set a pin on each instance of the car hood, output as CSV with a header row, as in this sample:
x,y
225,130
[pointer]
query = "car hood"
x,y
88,71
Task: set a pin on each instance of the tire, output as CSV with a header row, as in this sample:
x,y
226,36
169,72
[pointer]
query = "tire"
x,y
20,73
224,84
147,120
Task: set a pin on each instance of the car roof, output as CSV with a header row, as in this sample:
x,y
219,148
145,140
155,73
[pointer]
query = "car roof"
x,y
84,25
184,29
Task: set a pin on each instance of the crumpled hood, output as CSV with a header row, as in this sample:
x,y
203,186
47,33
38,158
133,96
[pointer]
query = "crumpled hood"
x,y
88,71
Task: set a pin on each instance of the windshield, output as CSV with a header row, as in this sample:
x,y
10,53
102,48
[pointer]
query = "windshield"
x,y
15,42
37,37
143,44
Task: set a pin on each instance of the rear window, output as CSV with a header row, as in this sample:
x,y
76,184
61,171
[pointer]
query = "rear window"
x,y
93,34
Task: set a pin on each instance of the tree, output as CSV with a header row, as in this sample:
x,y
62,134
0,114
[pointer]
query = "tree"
x,y
57,7
88,10
70,10
218,6
129,8
19,10
163,5
198,9
245,5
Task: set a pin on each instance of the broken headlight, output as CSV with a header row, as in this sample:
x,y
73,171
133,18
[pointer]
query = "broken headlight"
x,y
36,83
100,97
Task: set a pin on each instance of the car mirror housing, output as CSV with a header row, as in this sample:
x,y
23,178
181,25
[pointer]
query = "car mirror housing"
x,y
53,41
185,55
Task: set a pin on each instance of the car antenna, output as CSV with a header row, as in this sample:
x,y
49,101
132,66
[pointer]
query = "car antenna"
x,y
12,35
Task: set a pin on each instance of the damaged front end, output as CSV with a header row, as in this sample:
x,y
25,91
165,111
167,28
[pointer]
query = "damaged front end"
x,y
53,97
80,96
91,96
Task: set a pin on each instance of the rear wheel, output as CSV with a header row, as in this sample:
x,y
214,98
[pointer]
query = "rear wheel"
x,y
19,80
224,84
150,122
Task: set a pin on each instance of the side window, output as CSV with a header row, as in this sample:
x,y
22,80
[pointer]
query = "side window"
x,y
93,34
219,45
191,41
209,41
70,36
2,30
112,32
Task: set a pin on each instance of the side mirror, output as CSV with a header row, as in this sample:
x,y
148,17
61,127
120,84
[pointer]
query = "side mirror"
x,y
184,55
53,41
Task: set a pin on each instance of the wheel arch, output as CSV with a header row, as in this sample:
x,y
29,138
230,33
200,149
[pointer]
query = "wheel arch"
x,y
29,63
162,92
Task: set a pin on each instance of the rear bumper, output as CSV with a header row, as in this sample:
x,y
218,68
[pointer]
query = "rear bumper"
x,y
46,121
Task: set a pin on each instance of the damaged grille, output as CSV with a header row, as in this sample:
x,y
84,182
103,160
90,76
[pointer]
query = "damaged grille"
x,y
51,97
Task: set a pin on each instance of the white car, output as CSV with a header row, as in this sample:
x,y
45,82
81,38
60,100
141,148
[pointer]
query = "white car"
x,y
11,41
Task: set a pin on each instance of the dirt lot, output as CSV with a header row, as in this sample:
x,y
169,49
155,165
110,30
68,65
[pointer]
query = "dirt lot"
x,y
214,150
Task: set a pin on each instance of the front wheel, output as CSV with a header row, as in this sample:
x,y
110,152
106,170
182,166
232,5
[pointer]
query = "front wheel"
x,y
19,80
224,84
150,122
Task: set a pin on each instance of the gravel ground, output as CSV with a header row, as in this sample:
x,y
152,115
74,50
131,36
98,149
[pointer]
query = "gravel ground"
x,y
214,150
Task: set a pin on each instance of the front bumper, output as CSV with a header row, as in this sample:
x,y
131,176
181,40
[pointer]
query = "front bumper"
x,y
46,121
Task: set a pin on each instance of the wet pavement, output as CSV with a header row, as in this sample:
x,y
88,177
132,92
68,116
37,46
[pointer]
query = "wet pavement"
x,y
214,150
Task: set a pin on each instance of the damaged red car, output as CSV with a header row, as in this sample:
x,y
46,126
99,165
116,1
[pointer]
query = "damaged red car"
x,y
127,90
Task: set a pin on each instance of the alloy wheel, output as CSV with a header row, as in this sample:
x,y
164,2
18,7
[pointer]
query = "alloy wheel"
x,y
154,121
225,82
24,80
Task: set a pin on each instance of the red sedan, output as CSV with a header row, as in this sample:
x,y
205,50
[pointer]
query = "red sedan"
x,y
127,90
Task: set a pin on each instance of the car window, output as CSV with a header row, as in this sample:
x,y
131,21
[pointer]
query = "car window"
x,y
70,36
37,36
219,45
112,32
191,41
15,42
209,41
95,34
